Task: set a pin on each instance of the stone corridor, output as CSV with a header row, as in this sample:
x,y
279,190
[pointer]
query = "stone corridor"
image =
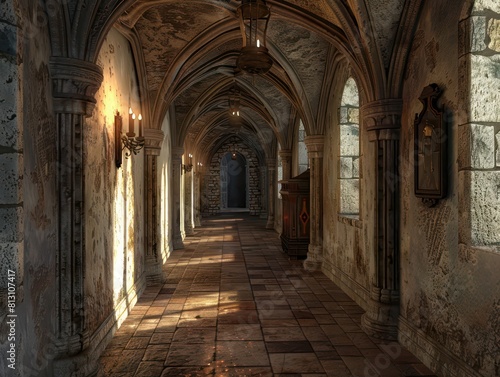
x,y
234,305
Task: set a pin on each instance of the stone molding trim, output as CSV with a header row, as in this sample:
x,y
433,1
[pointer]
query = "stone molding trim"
x,y
352,288
383,114
441,361
75,83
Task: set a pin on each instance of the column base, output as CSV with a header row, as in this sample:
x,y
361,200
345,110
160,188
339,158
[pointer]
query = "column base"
x,y
189,230
270,222
314,259
178,243
381,319
154,273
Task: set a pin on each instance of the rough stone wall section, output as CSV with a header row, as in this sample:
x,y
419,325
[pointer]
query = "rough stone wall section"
x,y
211,191
479,136
449,280
11,155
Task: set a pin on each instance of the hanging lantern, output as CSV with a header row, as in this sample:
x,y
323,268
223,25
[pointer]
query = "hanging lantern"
x,y
234,107
234,101
254,57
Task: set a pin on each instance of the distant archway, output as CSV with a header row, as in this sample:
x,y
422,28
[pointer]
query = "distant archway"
x,y
234,181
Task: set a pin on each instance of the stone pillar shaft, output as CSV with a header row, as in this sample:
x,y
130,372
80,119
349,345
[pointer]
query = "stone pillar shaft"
x,y
271,197
188,202
154,140
197,198
177,153
314,146
75,83
286,163
382,120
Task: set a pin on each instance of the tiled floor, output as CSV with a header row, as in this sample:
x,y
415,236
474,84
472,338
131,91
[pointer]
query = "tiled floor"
x,y
234,305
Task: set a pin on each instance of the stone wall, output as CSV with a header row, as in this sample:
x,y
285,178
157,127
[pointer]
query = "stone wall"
x,y
114,198
28,201
211,194
450,308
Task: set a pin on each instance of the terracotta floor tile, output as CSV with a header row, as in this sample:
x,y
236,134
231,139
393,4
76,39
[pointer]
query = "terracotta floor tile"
x,y
295,363
241,353
233,304
239,332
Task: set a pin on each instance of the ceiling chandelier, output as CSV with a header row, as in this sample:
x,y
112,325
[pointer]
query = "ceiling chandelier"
x,y
254,57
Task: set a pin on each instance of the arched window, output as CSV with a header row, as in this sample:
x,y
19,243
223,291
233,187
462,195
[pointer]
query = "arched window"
x,y
303,162
349,150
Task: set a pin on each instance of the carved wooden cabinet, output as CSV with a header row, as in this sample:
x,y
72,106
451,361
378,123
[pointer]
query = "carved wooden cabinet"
x,y
296,215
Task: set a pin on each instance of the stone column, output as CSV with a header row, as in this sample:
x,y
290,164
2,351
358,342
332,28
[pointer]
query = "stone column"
x,y
286,163
271,189
188,201
315,146
75,83
263,192
197,196
152,148
177,153
382,120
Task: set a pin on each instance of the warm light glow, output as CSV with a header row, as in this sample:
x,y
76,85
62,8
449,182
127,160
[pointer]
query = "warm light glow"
x,y
140,117
133,116
258,43
130,111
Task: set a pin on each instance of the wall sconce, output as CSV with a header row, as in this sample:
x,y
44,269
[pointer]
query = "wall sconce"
x,y
200,168
254,57
188,167
129,140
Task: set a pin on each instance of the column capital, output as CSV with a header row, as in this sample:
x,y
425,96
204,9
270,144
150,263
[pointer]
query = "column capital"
x,y
285,153
75,83
177,152
153,140
382,114
271,163
315,145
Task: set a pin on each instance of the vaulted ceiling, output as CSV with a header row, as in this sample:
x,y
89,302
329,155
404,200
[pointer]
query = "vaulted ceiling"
x,y
186,53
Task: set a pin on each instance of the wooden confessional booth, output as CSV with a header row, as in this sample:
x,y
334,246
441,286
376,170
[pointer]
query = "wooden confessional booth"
x,y
296,215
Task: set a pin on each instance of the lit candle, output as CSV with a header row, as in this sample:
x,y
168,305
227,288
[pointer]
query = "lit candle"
x,y
131,117
258,43
140,125
133,125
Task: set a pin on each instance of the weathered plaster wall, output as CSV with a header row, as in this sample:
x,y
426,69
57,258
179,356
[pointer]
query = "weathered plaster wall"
x,y
28,199
114,198
165,193
450,308
348,241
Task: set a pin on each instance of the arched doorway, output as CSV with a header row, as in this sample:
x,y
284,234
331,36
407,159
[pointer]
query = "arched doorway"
x,y
234,181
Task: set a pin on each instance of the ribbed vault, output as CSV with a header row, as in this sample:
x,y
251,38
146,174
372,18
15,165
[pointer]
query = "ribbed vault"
x,y
186,54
